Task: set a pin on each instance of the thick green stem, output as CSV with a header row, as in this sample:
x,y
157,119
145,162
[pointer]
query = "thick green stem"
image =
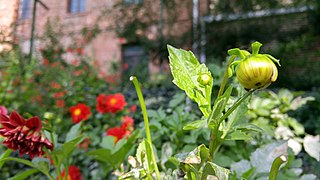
x,y
236,104
225,76
146,121
214,139
276,166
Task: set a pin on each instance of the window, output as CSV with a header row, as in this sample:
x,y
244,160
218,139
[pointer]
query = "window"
x,y
76,6
135,61
132,1
25,9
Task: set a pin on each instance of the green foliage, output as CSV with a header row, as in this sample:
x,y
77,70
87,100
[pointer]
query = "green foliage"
x,y
111,155
186,69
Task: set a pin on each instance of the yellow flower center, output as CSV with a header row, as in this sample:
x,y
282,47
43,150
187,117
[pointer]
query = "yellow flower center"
x,y
113,101
77,112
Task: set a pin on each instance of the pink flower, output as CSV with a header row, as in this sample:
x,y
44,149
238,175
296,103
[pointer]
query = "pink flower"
x,y
3,110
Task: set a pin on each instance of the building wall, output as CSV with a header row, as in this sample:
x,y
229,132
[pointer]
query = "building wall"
x,y
8,16
106,47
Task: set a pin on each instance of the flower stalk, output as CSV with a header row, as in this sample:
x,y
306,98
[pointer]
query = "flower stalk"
x,y
276,166
146,121
215,137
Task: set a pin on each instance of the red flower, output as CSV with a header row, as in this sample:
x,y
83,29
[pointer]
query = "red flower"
x,y
60,103
110,103
73,173
59,94
117,132
127,123
24,135
80,112
124,131
133,108
85,143
55,85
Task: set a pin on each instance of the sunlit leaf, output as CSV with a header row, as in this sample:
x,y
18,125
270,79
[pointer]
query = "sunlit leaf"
x,y
186,69
311,145
196,124
263,157
215,170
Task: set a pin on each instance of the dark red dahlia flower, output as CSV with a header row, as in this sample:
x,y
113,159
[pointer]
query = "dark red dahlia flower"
x,y
110,103
73,173
80,112
24,135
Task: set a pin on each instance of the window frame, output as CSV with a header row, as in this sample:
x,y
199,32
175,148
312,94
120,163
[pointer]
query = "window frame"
x,y
76,6
24,9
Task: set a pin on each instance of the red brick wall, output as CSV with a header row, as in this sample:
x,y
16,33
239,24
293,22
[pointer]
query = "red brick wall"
x,y
106,46
8,15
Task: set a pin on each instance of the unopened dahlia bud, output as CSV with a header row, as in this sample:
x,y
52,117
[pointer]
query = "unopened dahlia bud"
x,y
204,79
256,72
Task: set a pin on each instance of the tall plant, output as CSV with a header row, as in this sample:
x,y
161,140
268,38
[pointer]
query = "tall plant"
x,y
254,71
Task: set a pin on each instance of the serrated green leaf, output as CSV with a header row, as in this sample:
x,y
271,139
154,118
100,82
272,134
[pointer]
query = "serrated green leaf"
x,y
215,170
186,69
23,175
74,132
196,124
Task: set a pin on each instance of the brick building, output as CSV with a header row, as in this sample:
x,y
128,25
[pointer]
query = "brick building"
x,y
73,15
8,16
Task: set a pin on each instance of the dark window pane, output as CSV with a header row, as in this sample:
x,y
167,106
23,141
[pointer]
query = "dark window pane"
x,y
25,9
77,6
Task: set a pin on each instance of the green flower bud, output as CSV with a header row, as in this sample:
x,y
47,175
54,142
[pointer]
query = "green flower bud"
x,y
204,79
48,115
257,71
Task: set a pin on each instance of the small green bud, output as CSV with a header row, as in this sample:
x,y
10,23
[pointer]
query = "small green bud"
x,y
48,115
204,79
256,72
